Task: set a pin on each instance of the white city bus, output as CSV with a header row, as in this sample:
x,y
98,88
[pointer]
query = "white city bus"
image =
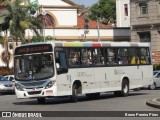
x,y
54,69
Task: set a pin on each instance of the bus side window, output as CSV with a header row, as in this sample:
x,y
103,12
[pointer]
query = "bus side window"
x,y
84,56
73,59
99,56
134,56
144,56
61,62
122,54
89,57
110,56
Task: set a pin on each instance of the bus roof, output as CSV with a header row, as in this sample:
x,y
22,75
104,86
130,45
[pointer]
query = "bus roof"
x,y
91,44
47,46
101,44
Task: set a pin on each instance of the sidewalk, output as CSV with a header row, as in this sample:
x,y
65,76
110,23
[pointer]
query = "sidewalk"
x,y
154,102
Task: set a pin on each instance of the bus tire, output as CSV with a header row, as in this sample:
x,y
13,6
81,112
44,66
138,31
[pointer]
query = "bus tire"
x,y
74,96
152,87
41,100
124,89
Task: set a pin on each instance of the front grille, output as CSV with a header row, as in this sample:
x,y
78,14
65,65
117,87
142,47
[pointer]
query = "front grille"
x,y
38,83
34,92
34,87
8,85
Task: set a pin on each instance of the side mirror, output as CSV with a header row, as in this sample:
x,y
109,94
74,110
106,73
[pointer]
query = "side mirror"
x,y
13,80
57,65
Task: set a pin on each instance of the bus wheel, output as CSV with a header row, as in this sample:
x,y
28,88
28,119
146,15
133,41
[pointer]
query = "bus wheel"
x,y
125,89
41,100
92,95
74,96
152,87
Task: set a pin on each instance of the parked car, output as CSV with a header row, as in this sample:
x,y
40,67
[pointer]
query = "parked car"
x,y
156,80
6,85
10,78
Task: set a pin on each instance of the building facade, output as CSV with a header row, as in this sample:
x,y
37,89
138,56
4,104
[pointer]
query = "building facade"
x,y
62,22
145,24
68,25
123,13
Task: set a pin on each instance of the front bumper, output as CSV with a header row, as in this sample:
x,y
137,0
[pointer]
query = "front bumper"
x,y
6,89
36,93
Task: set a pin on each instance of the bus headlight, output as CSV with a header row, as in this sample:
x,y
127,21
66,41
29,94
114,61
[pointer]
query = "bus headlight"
x,y
19,87
50,84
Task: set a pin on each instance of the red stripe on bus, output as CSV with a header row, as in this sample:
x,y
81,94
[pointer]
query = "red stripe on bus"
x,y
96,45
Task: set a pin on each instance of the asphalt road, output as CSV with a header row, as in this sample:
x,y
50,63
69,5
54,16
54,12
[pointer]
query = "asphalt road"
x,y
136,101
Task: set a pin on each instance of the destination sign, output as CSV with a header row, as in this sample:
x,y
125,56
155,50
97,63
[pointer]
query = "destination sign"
x,y
33,49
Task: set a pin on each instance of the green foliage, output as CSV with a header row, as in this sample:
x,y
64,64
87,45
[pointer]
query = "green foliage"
x,y
2,40
20,19
40,39
105,10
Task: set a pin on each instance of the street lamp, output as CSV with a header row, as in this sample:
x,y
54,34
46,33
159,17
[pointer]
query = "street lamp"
x,y
7,55
43,14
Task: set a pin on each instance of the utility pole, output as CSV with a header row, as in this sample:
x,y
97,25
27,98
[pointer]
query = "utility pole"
x,y
98,29
86,26
98,25
6,54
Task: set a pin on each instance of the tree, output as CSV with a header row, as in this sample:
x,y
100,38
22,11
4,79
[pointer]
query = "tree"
x,y
40,39
83,11
104,10
2,40
19,19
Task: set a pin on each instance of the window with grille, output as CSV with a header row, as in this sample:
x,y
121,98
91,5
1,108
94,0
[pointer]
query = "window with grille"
x,y
143,7
144,36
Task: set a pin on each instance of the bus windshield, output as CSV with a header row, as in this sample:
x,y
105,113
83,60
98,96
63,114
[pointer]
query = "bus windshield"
x,y
34,67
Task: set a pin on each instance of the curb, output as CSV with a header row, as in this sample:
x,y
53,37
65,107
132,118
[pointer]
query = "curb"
x,y
153,102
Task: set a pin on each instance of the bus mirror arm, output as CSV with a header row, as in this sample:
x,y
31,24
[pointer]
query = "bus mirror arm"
x,y
137,66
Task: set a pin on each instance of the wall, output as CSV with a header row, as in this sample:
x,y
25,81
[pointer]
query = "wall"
x,y
147,23
122,20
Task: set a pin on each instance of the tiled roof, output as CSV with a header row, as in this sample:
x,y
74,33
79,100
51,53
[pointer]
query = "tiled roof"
x,y
70,2
1,6
92,24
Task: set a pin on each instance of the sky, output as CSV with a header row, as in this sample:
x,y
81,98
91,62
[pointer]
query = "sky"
x,y
85,2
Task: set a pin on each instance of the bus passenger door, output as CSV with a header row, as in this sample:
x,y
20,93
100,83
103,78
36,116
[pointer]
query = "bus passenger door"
x,y
63,84
100,79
